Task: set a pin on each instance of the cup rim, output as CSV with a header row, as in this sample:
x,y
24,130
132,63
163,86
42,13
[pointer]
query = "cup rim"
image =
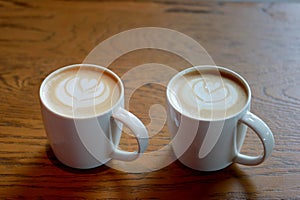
x,y
210,67
59,70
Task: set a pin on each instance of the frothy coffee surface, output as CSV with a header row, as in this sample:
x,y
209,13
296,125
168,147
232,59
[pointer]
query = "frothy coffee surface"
x,y
207,95
81,91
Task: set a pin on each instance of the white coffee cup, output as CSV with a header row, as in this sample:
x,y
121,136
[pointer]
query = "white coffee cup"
x,y
208,114
83,111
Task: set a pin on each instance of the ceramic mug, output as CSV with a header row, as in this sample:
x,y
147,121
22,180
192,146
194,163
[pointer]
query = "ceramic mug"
x,y
208,115
83,111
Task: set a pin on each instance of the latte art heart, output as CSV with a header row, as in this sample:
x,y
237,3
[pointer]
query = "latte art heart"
x,y
87,84
79,92
82,91
207,95
210,92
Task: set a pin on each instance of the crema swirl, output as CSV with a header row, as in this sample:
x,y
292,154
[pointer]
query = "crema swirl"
x,y
81,92
207,95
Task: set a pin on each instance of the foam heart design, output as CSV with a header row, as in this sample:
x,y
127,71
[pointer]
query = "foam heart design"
x,y
211,87
209,92
83,89
87,84
77,92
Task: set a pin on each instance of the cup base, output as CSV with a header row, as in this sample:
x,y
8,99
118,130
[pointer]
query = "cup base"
x,y
89,162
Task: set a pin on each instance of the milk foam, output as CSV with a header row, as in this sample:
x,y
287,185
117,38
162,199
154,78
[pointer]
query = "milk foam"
x,y
83,92
207,96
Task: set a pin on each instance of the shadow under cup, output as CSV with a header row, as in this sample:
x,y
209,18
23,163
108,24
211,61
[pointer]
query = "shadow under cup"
x,y
208,110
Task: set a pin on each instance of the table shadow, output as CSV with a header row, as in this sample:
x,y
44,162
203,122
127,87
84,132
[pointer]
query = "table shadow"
x,y
229,183
47,178
175,181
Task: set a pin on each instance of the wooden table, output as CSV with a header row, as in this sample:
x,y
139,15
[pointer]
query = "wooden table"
x,y
261,41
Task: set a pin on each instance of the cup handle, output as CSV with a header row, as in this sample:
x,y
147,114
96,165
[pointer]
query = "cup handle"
x,y
137,128
265,135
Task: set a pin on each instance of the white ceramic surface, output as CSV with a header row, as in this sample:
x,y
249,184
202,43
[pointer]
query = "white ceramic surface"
x,y
88,142
215,144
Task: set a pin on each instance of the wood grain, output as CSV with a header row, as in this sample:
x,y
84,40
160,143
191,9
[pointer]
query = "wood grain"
x,y
258,40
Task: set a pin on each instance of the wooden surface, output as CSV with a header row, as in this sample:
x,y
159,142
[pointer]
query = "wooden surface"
x,y
261,41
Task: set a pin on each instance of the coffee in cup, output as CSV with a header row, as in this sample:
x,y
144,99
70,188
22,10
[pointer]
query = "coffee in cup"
x,y
208,94
81,91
